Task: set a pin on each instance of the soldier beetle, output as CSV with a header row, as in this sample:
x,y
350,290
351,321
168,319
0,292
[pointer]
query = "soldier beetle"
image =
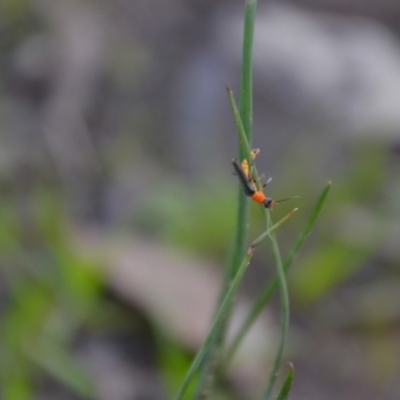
x,y
248,184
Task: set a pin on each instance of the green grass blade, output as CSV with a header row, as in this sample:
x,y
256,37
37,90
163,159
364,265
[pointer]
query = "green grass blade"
x,y
265,296
244,123
244,143
243,119
308,227
246,87
246,117
287,384
243,140
284,295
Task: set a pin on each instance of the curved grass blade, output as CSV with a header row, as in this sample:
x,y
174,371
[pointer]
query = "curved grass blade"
x,y
284,295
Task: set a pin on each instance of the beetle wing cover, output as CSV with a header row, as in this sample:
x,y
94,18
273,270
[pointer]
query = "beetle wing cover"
x,y
244,180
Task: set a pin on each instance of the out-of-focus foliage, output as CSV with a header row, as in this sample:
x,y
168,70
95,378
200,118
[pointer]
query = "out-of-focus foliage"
x,y
52,294
352,233
174,362
199,219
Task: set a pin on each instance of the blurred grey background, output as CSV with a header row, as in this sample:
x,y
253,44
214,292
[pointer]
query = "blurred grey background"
x,y
118,202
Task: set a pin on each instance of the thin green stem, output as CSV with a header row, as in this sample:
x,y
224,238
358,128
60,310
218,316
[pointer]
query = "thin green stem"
x,y
266,233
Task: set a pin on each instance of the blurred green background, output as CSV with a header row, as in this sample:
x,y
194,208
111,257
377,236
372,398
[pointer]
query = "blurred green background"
x,y
117,199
